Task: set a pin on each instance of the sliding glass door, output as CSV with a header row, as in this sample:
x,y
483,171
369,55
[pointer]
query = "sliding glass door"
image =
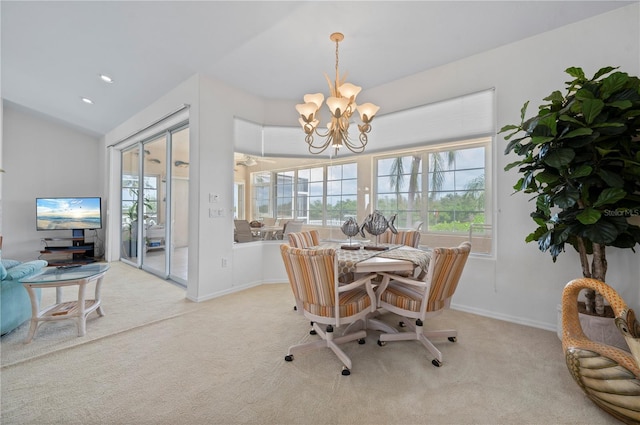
x,y
154,213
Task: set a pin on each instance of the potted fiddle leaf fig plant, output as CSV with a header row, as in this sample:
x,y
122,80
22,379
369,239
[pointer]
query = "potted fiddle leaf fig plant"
x,y
580,161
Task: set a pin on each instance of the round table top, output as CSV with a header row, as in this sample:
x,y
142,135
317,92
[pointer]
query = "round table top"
x,y
66,273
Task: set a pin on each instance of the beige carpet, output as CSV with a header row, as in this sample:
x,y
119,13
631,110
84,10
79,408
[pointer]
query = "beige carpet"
x,y
131,298
222,362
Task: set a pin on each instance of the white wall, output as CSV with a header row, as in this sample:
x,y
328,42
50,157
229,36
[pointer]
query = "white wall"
x,y
42,158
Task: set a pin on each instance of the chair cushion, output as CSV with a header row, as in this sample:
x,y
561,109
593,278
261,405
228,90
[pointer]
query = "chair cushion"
x,y
351,302
25,269
402,296
7,263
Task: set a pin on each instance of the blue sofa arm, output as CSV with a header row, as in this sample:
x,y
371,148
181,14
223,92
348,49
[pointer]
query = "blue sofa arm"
x,y
15,304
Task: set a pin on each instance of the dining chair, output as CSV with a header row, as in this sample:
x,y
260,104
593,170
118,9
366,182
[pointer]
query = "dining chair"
x,y
292,226
313,278
304,239
269,221
279,234
243,231
421,299
403,237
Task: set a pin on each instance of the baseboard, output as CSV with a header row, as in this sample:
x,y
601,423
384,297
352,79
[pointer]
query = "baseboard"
x,y
505,317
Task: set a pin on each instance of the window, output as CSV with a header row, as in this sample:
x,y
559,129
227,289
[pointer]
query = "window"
x,y
324,195
284,194
310,195
261,194
130,197
342,193
444,188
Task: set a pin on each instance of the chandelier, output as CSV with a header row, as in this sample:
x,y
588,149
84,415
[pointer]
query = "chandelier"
x,y
341,104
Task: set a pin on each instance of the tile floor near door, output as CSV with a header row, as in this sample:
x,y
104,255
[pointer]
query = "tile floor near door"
x,y
179,265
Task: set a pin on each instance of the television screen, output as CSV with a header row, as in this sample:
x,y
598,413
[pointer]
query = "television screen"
x,y
68,213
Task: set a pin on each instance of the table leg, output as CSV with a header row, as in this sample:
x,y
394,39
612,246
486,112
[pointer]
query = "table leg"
x,y
35,309
82,316
98,296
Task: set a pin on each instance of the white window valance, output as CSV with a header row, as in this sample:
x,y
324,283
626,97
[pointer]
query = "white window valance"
x,y
465,116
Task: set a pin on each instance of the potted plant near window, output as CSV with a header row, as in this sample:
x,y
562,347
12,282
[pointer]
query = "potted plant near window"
x,y
580,159
130,237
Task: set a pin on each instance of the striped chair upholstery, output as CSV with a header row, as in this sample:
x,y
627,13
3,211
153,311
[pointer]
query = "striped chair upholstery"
x,y
403,237
304,239
418,299
312,275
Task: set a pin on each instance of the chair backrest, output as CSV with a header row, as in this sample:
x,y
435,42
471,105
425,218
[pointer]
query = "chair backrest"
x,y
269,221
311,275
243,231
304,239
293,226
403,237
445,269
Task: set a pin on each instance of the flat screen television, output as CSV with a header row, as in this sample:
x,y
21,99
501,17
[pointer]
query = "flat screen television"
x,y
75,213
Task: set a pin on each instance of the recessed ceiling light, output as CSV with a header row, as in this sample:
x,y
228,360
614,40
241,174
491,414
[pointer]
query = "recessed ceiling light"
x,y
87,100
106,78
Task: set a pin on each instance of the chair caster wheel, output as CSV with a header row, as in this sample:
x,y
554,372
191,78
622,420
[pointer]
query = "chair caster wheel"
x,y
313,332
295,308
289,357
346,371
361,341
402,325
436,362
452,339
382,343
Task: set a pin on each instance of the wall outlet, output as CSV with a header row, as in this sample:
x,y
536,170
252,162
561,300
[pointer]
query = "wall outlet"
x,y
225,262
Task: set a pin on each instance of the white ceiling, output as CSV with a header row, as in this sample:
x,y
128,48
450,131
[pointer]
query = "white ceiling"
x,y
53,51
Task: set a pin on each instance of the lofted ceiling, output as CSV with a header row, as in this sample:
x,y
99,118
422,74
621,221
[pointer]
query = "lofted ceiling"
x,y
53,51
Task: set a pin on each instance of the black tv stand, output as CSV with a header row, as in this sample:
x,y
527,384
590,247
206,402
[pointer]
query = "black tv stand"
x,y
68,251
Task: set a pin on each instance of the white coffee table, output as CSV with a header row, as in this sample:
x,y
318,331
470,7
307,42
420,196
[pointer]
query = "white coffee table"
x,y
59,278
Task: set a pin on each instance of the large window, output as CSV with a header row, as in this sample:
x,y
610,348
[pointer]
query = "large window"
x,y
443,188
321,195
431,167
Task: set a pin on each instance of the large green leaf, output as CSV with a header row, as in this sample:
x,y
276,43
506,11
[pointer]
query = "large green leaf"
x,y
577,132
611,179
560,157
589,216
621,104
613,83
544,241
547,177
610,196
591,108
582,171
568,118
603,71
538,140
567,197
603,232
537,234
575,72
